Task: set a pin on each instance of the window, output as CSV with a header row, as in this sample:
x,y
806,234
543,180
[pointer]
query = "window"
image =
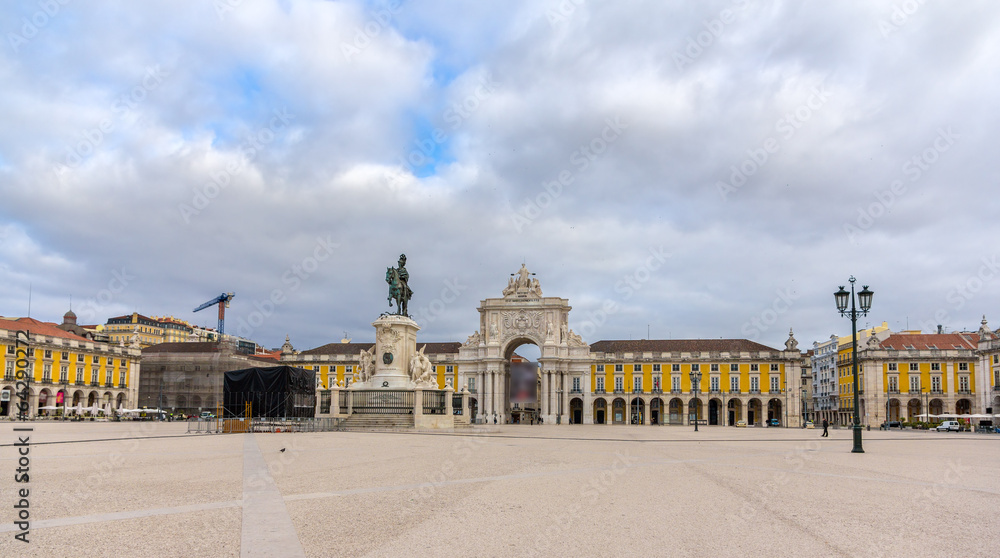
x,y
963,383
48,353
619,368
472,385
65,355
656,368
695,367
914,384
63,374
637,384
600,384
47,372
9,375
963,367
96,360
656,384
714,368
935,367
755,368
775,368
996,379
734,384
450,369
675,368
79,358
10,351
914,367
600,368
348,379
576,383
714,383
349,370
619,383
636,368
121,379
754,384
893,367
935,383
996,359
734,367
893,384
775,387
675,383
79,374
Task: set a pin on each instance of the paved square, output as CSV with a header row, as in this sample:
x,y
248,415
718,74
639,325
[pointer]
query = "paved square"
x,y
144,489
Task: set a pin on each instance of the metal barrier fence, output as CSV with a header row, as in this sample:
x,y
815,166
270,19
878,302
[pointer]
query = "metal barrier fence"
x,y
434,402
381,402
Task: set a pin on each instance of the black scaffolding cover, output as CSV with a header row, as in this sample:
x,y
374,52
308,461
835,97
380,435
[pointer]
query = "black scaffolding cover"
x,y
276,391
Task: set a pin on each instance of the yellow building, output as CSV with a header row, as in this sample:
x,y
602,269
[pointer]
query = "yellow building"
x,y
64,369
845,369
904,376
147,331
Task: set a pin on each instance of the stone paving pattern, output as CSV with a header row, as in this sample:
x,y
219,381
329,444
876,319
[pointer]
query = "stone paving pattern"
x,y
516,491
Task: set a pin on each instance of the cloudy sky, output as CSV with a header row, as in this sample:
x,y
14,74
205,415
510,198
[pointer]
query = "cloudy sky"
x,y
700,169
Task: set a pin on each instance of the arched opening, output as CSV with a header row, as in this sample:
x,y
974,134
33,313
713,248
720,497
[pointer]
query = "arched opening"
x,y
637,411
676,411
913,408
473,407
963,407
894,409
735,410
936,407
181,403
521,384
695,410
774,412
6,409
618,411
600,411
714,410
656,411
196,403
576,411
120,401
753,412
77,398
43,402
91,398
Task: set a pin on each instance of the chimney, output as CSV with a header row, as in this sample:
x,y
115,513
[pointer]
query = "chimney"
x,y
940,328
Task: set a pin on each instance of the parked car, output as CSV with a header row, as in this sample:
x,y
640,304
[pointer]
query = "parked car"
x,y
810,424
949,425
207,415
774,422
741,423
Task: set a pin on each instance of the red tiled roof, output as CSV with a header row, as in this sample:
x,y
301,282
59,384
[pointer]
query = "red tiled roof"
x,y
355,348
925,341
39,328
678,345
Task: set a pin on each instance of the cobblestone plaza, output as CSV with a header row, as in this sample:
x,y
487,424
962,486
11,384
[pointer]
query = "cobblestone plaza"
x,y
139,489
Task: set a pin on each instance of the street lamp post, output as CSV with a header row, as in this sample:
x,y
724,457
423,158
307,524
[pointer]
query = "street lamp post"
x,y
864,300
695,390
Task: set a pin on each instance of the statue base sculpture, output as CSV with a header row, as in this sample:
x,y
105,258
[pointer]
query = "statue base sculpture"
x,y
395,346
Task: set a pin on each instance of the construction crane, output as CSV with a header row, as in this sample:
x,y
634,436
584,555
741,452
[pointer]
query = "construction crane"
x,y
223,301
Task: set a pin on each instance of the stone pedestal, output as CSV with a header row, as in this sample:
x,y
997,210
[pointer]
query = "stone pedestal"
x,y
395,345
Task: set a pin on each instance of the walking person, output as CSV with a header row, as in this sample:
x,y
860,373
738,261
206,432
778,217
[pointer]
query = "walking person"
x,y
826,432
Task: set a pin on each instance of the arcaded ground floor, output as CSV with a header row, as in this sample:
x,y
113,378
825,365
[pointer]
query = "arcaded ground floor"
x,y
148,489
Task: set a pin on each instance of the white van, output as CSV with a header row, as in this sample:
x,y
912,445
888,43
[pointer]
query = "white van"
x,y
949,425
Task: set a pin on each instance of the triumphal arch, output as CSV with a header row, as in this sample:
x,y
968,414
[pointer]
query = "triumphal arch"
x,y
524,316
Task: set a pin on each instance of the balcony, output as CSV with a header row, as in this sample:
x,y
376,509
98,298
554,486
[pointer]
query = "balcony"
x,y
893,392
965,392
95,383
774,392
46,380
676,391
600,391
734,392
658,391
754,392
575,391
